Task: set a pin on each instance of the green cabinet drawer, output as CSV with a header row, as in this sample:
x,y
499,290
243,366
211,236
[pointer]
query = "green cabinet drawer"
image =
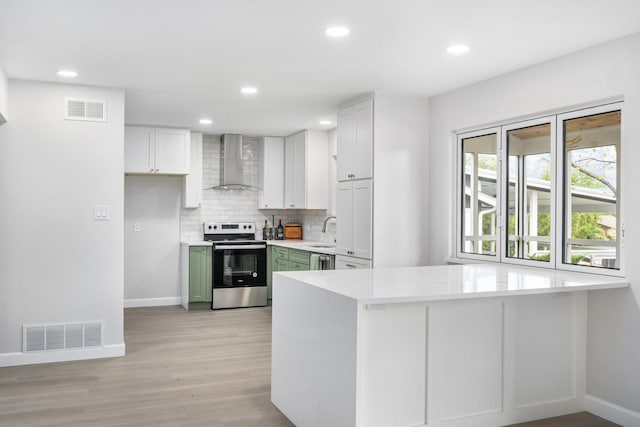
x,y
200,273
298,266
279,252
299,256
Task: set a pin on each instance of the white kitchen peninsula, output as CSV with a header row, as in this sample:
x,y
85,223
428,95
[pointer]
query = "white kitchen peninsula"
x,y
460,345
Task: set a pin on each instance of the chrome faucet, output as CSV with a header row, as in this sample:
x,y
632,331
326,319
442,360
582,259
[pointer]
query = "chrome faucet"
x,y
324,226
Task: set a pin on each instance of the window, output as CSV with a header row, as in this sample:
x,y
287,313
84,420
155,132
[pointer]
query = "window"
x,y
479,214
543,192
529,200
591,146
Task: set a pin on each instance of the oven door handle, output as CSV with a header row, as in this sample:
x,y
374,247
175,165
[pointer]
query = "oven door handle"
x,y
226,247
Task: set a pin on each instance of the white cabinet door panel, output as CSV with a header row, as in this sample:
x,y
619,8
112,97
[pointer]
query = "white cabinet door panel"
x,y
363,140
306,178
354,225
346,146
300,168
361,218
271,173
138,150
355,141
289,172
172,151
344,215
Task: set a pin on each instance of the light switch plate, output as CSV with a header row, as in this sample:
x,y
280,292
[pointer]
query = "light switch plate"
x,y
101,213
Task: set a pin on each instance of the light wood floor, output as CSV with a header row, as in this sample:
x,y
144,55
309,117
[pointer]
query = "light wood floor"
x,y
181,369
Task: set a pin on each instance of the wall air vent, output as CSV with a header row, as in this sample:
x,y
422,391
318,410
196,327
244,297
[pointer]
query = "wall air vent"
x,y
84,109
62,336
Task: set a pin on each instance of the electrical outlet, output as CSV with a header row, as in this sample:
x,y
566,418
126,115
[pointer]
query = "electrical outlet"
x,y
136,226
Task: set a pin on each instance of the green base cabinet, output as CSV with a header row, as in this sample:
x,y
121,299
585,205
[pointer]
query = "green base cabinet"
x,y
200,277
285,259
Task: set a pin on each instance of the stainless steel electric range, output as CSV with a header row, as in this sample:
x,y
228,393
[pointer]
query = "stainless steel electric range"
x,y
239,265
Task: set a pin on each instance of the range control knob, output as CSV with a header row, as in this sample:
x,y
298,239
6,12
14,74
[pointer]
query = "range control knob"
x,y
250,227
215,227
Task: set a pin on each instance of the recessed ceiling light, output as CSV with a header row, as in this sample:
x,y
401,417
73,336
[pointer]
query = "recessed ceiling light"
x,y
325,122
67,73
249,90
205,121
458,49
337,31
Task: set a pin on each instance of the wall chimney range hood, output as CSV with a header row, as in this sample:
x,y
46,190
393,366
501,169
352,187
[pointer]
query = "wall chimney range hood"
x,y
231,169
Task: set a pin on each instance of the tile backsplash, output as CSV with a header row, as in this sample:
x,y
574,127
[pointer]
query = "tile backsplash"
x,y
242,205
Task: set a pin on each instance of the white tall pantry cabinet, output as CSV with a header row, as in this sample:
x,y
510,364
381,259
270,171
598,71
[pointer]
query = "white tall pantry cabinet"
x,y
382,188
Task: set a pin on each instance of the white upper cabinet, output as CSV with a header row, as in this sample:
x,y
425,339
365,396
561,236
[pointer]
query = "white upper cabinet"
x,y
271,173
306,176
157,150
355,141
354,227
192,189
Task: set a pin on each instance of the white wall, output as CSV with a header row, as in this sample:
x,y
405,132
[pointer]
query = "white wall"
x,y
4,97
400,220
56,263
606,71
152,255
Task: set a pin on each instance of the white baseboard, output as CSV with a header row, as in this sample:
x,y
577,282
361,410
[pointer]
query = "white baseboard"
x,y
32,358
152,302
611,411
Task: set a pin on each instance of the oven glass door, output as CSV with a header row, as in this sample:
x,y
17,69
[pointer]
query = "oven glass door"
x,y
234,267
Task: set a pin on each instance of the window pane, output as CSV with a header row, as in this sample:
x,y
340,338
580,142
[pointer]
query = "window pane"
x,y
480,165
528,193
591,146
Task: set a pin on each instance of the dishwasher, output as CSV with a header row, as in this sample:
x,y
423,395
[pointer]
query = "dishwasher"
x,y
321,262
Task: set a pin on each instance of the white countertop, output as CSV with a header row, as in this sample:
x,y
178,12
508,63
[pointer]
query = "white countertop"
x,y
305,245
198,243
449,282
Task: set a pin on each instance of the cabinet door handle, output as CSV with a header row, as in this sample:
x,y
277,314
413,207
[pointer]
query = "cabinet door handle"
x,y
292,206
151,170
350,266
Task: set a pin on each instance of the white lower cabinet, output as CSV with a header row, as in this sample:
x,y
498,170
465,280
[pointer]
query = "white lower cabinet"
x,y
354,227
348,262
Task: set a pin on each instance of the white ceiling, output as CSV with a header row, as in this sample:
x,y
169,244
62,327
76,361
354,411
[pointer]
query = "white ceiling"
x,y
182,60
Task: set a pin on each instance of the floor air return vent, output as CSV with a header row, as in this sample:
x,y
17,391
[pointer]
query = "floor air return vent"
x,y
61,336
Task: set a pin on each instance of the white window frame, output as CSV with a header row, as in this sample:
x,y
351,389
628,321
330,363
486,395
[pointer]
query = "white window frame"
x,y
551,120
619,198
556,121
460,196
